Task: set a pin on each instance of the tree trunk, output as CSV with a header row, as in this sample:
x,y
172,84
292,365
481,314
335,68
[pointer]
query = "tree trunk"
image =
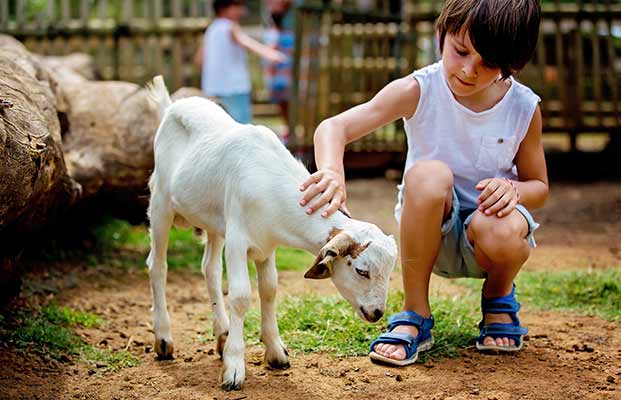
x,y
34,185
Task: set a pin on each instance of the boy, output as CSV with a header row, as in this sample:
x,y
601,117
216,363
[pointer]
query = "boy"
x,y
474,167
224,59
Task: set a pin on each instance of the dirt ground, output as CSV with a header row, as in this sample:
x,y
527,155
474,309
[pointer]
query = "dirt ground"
x,y
565,356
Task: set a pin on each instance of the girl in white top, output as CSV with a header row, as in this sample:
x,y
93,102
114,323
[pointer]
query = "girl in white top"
x,y
223,57
475,165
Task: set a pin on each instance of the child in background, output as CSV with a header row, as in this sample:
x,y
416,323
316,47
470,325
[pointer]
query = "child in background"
x,y
474,167
224,60
280,35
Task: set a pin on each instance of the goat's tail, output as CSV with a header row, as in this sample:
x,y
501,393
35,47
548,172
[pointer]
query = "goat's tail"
x,y
156,91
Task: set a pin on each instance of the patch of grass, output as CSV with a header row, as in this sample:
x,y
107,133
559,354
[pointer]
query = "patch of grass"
x,y
38,333
584,292
329,324
288,259
48,331
66,316
114,360
593,293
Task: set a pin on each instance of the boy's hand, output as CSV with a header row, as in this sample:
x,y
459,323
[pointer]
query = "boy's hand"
x,y
275,56
324,187
498,196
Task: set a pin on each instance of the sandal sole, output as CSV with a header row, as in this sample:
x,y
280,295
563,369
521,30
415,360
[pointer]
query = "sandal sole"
x,y
502,349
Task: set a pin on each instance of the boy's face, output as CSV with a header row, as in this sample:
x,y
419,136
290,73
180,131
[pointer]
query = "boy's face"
x,y
466,72
234,12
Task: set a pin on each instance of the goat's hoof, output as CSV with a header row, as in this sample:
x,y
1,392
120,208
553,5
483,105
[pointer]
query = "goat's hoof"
x,y
164,349
278,359
278,364
232,379
231,385
221,342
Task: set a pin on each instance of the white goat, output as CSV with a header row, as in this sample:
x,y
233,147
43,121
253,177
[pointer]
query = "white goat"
x,y
239,184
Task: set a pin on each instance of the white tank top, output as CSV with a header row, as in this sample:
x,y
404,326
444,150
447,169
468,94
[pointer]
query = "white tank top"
x,y
225,65
475,145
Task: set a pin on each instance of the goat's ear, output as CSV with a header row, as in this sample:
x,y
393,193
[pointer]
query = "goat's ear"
x,y
321,268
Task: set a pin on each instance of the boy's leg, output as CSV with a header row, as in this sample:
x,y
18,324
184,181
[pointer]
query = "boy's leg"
x,y
500,249
427,200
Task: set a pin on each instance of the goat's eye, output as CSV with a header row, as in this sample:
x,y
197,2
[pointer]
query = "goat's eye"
x,y
363,273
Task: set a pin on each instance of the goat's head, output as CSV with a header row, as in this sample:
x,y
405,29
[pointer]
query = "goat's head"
x,y
359,261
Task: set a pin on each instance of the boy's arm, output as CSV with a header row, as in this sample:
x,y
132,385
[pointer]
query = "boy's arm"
x,y
396,100
200,54
531,166
499,196
252,45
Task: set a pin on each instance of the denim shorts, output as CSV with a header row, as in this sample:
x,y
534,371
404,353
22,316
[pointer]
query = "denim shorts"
x,y
456,257
238,106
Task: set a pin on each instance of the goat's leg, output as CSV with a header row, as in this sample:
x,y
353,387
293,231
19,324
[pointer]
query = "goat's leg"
x,y
275,352
212,271
161,217
233,369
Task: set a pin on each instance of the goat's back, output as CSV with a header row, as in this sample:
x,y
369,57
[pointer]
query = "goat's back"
x,y
206,160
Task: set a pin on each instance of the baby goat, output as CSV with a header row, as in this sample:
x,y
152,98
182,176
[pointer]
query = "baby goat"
x,y
239,184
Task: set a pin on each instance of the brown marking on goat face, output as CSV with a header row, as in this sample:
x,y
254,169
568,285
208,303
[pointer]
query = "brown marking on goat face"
x,y
356,249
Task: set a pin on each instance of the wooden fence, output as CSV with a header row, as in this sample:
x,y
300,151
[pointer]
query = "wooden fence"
x,y
131,40
346,55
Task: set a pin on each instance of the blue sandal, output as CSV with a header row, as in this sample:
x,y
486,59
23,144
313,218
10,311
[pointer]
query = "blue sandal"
x,y
412,345
501,305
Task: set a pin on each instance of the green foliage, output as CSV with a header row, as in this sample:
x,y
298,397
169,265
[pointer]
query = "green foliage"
x,y
66,316
113,360
329,324
585,292
48,331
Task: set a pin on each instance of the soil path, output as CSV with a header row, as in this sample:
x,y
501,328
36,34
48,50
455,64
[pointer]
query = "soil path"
x,y
566,356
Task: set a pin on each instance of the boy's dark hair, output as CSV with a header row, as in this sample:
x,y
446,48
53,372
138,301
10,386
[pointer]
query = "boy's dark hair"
x,y
219,5
503,32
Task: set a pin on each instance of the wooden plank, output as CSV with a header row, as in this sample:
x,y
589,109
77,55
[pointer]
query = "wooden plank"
x,y
158,9
177,63
127,13
612,75
579,62
85,10
596,67
65,12
4,15
177,9
558,41
102,10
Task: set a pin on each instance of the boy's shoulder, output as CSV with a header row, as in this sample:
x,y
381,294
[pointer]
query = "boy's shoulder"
x,y
430,69
524,91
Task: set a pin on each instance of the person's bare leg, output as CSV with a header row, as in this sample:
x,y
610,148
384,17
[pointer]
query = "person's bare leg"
x,y
500,248
427,200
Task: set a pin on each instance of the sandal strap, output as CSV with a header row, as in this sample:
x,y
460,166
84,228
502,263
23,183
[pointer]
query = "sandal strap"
x,y
503,329
410,318
409,342
500,305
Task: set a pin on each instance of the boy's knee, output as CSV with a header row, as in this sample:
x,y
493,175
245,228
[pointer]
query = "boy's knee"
x,y
500,237
429,178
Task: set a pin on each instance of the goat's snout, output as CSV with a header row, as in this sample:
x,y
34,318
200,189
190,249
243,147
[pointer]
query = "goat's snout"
x,y
373,314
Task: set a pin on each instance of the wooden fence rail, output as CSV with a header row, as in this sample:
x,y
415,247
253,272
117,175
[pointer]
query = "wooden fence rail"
x,y
345,52
131,40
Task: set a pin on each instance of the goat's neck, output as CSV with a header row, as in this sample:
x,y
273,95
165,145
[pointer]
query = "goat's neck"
x,y
310,232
